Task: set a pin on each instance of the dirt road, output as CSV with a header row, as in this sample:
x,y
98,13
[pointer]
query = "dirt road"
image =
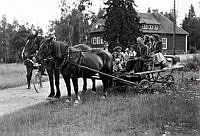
x,y
14,99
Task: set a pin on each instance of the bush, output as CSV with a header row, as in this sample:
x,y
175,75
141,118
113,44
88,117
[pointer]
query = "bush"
x,y
192,50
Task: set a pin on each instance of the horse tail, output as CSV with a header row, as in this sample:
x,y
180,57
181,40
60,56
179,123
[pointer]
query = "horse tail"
x,y
107,63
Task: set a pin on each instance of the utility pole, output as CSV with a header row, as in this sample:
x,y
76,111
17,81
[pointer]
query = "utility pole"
x,y
174,29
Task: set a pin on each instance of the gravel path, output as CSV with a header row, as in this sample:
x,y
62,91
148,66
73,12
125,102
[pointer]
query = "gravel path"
x,y
14,99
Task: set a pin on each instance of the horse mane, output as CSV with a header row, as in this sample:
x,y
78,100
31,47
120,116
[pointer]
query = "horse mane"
x,y
60,47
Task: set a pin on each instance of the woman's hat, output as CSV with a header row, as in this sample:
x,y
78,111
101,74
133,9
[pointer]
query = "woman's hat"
x,y
156,36
117,48
127,49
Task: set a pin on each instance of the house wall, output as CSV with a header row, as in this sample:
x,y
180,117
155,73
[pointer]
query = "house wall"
x,y
96,40
180,42
179,45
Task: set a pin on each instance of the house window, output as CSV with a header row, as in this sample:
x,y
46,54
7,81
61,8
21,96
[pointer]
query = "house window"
x,y
94,40
102,42
98,40
150,27
144,27
155,27
164,43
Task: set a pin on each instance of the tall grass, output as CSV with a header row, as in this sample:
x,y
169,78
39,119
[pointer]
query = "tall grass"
x,y
193,63
12,75
176,112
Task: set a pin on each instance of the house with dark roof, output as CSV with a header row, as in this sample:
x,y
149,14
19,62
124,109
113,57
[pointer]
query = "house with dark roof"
x,y
151,23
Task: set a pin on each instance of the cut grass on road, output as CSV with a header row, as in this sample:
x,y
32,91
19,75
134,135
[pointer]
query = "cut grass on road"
x,y
120,114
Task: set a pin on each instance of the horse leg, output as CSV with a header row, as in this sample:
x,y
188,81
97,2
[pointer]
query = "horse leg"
x,y
93,84
29,75
68,85
105,86
75,84
52,91
84,84
56,74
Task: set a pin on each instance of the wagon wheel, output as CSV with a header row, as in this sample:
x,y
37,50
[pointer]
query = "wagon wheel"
x,y
37,81
144,86
168,82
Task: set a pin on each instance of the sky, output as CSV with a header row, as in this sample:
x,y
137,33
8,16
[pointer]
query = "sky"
x,y
40,12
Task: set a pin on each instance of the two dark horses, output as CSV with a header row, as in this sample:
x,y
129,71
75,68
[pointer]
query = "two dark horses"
x,y
66,58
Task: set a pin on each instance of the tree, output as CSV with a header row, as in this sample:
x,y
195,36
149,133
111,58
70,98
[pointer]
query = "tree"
x,y
12,39
191,13
149,10
192,24
122,23
73,25
170,16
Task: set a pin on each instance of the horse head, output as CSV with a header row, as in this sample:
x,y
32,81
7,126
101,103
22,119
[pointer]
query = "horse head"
x,y
45,49
31,46
52,48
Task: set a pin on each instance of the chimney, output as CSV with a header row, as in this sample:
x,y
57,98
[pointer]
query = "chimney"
x,y
155,11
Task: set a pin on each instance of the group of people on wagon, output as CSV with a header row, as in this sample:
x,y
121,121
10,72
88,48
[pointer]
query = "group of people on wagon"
x,y
135,56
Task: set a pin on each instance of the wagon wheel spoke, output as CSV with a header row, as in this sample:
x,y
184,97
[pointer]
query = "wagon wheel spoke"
x,y
168,82
144,86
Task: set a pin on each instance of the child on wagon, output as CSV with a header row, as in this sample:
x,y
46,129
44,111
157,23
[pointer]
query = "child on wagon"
x,y
118,58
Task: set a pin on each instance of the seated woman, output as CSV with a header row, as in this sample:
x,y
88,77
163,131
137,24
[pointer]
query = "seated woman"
x,y
136,64
157,49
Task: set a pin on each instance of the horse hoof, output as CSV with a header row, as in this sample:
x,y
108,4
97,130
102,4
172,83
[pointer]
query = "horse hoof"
x,y
56,97
76,102
79,98
49,98
51,95
68,101
104,96
28,87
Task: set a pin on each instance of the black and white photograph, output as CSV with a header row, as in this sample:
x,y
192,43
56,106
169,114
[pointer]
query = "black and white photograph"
x,y
99,67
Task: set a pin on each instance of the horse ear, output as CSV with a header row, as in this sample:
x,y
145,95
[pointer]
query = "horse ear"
x,y
51,39
36,34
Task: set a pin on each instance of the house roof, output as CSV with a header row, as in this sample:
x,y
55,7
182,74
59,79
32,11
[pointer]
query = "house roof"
x,y
165,25
148,18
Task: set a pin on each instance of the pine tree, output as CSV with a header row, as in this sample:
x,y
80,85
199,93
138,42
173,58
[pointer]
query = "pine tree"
x,y
122,23
191,12
191,24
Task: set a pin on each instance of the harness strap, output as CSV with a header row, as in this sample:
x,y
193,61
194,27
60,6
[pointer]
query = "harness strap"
x,y
64,62
79,62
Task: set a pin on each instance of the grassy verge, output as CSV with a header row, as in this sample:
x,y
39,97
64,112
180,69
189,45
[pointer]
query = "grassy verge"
x,y
12,75
175,113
